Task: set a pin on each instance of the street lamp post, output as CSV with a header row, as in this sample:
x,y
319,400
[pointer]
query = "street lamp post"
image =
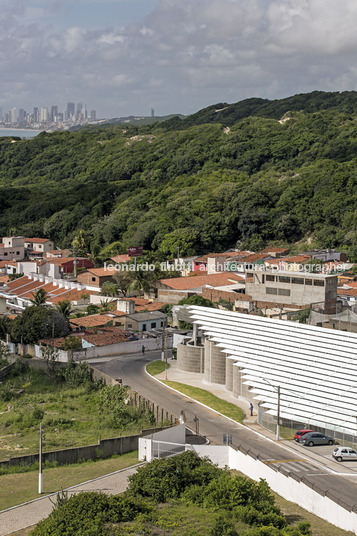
x,y
40,462
277,389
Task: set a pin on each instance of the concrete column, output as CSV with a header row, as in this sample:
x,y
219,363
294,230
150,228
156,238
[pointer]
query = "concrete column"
x,y
190,358
229,373
195,334
237,388
215,363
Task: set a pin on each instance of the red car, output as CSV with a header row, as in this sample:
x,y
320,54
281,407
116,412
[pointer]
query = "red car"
x,y
300,433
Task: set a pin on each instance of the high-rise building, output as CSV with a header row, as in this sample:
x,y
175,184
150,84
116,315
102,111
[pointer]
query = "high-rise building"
x,y
70,110
36,115
54,113
22,115
1,118
14,115
93,115
43,115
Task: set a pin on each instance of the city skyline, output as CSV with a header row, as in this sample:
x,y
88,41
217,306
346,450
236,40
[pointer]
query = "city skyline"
x,y
74,113
128,56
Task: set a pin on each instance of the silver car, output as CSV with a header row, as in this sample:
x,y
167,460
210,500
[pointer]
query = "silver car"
x,y
342,454
315,438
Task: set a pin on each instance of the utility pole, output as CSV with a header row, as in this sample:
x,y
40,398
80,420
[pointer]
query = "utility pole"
x,y
40,462
278,415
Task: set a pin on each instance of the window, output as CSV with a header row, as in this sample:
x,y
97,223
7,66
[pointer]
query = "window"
x,y
153,325
249,275
144,327
5,254
161,324
130,326
263,279
319,283
270,290
297,280
270,277
17,253
284,279
308,281
283,292
93,278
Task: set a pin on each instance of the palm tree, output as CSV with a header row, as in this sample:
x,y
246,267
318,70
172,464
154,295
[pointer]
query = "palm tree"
x,y
65,308
39,297
142,281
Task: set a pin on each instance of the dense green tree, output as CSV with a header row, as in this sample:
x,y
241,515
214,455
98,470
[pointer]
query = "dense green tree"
x,y
36,323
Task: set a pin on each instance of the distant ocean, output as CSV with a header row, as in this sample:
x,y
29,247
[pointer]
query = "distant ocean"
x,y
20,133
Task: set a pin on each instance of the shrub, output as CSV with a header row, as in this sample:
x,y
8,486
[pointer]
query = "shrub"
x,y
87,513
223,527
169,477
38,414
77,374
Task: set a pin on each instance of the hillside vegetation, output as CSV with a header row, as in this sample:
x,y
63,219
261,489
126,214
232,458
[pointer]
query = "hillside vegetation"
x,y
201,183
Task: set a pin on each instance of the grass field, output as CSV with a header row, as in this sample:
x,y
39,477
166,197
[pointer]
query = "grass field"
x,y
226,408
156,367
71,416
22,487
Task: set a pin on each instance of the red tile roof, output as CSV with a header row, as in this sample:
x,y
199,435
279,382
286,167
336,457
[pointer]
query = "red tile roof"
x,y
91,321
205,257
4,279
156,306
38,240
347,291
253,257
101,272
275,250
72,295
297,259
120,258
214,280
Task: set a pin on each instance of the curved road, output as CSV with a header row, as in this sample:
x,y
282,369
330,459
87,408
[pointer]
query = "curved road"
x,y
131,369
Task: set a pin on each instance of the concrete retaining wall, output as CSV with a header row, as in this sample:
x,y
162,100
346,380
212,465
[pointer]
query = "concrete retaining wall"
x,y
215,363
190,358
103,449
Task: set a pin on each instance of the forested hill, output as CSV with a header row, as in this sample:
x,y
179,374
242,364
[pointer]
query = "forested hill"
x,y
201,188
229,114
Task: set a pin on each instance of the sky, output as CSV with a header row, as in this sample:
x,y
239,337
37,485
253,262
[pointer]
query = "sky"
x,y
124,57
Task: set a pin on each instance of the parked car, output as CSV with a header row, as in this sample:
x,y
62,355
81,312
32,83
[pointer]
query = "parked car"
x,y
315,438
342,454
300,433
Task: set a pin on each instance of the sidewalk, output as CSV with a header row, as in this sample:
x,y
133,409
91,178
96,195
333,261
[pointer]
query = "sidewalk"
x,y
196,380
319,457
29,514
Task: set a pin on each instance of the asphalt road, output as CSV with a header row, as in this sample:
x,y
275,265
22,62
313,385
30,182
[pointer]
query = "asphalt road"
x,y
131,369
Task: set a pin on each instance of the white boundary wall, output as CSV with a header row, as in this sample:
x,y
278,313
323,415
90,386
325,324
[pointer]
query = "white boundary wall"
x,y
288,488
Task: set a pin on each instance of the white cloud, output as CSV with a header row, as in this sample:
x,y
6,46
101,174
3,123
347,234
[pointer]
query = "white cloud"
x,y
183,56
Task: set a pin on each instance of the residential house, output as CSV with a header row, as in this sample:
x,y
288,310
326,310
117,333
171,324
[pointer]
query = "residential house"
x,y
293,288
95,277
275,252
12,248
147,321
91,321
38,247
174,289
58,253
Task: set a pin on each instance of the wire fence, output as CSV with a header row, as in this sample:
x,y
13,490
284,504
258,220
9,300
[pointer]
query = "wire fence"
x,y
289,426
164,449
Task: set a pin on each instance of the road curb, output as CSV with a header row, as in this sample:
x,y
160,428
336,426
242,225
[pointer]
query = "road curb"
x,y
238,423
